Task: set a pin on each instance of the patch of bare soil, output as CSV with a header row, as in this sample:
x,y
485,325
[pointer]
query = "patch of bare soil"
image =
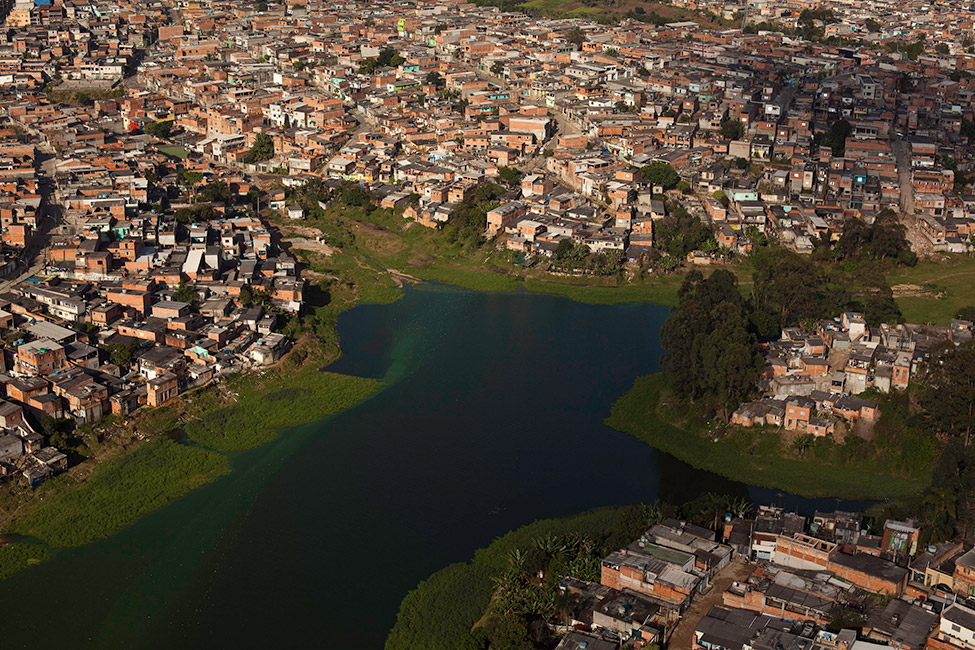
x,y
310,245
914,291
419,260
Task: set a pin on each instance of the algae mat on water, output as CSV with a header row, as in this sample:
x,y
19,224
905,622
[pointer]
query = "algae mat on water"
x,y
257,414
122,490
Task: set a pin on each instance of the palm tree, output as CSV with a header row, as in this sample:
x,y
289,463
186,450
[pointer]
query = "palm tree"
x,y
551,545
655,514
713,507
739,506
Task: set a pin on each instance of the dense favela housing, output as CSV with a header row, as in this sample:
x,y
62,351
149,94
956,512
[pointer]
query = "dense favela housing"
x,y
156,157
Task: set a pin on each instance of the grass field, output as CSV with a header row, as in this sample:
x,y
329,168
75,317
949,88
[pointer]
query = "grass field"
x,y
661,290
932,292
618,8
175,151
754,456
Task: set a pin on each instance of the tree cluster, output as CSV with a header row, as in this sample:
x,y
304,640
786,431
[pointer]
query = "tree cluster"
x,y
195,214
710,350
732,129
468,220
388,57
261,150
158,129
577,258
680,232
835,137
660,173
884,239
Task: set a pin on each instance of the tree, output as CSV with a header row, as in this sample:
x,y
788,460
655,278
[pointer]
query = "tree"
x,y
188,179
353,194
121,354
387,57
835,138
709,351
216,192
612,51
564,249
497,68
434,79
949,389
261,150
732,129
576,36
788,288
158,129
879,307
510,175
884,239
660,173
186,293
872,25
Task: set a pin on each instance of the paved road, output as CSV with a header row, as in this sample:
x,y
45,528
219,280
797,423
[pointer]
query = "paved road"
x,y
902,151
683,635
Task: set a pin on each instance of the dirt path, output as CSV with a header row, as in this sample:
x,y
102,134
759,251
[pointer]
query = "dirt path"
x,y
683,635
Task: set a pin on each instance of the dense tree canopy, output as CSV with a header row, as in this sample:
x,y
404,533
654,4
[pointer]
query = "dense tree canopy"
x,y
158,129
680,232
949,389
884,239
469,218
387,57
710,352
660,173
732,129
262,149
835,137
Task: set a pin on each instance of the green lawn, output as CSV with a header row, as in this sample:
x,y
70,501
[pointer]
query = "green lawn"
x,y
932,292
661,290
755,456
175,151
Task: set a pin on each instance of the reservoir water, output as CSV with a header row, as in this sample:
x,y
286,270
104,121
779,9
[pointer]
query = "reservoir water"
x,y
491,418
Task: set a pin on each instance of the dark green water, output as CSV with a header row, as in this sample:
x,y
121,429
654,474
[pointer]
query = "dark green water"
x,y
492,418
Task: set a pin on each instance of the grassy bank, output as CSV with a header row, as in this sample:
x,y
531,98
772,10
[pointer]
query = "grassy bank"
x,y
382,239
662,290
933,291
757,456
442,609
122,490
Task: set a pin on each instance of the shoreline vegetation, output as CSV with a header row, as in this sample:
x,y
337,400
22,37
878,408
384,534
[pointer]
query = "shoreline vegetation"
x,y
652,412
161,454
441,610
362,254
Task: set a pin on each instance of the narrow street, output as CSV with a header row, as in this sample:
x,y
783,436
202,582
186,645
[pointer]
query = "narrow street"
x,y
902,151
683,635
